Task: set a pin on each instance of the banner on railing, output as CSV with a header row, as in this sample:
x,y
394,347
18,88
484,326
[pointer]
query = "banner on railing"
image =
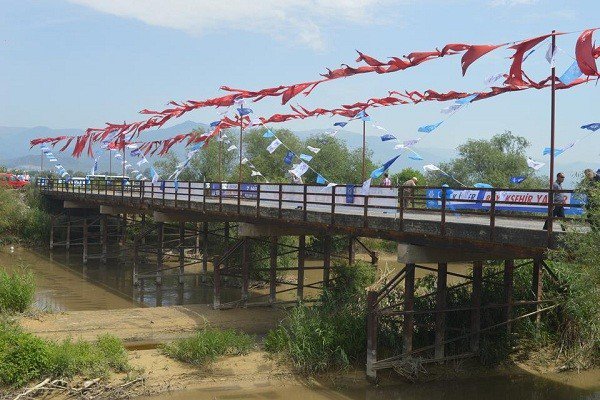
x,y
249,190
519,201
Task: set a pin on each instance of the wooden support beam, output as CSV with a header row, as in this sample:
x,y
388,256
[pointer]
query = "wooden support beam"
x,y
372,323
440,307
245,268
143,227
326,260
68,238
351,250
204,250
85,240
181,251
409,304
476,304
273,270
301,259
159,251
217,285
103,237
537,287
124,230
52,223
509,266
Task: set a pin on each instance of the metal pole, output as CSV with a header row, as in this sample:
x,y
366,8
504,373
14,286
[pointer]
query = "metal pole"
x,y
552,123
220,156
41,161
364,149
241,137
123,156
110,162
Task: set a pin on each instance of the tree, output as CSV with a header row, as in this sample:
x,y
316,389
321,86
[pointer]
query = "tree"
x,y
491,161
407,173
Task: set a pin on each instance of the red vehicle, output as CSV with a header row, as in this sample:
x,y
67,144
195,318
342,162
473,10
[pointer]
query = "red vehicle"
x,y
12,181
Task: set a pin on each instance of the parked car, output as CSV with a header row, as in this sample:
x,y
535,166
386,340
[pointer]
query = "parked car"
x,y
12,181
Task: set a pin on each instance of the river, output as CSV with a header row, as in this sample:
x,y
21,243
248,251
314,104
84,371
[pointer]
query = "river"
x,y
64,283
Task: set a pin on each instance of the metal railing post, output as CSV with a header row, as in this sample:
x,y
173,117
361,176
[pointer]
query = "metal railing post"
x,y
443,217
304,203
492,215
280,194
258,200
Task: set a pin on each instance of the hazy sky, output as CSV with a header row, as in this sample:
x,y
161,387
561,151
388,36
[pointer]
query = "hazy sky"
x,y
80,63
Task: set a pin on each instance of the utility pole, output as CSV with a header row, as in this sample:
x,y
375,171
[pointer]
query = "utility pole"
x,y
552,126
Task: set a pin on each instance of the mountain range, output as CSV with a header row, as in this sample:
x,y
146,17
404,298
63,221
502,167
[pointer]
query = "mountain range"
x,y
16,154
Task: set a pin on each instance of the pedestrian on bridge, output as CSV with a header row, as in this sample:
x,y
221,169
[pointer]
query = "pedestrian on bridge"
x,y
409,191
557,200
386,180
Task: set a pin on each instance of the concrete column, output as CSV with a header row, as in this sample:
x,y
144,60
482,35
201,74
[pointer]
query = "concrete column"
x,y
440,307
181,251
409,304
476,305
301,259
217,285
85,240
509,266
326,260
52,223
273,270
136,259
159,251
124,229
245,268
227,237
537,287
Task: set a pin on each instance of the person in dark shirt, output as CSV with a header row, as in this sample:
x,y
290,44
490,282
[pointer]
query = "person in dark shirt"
x,y
557,199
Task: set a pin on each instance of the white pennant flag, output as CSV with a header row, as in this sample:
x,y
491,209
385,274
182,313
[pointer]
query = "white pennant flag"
x,y
381,128
299,169
411,142
142,161
255,173
490,80
331,133
366,186
313,149
450,109
232,147
118,155
399,146
244,160
430,168
331,184
534,164
551,55
273,146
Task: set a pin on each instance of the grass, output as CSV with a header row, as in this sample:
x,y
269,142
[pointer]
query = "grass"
x,y
332,334
25,357
16,290
209,344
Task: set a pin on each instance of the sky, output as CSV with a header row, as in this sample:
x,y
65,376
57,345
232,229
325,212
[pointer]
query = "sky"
x,y
81,63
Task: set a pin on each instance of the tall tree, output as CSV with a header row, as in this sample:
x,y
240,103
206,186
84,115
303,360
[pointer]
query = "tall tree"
x,y
491,161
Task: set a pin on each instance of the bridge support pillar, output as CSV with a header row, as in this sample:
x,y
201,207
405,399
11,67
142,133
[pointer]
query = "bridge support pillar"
x,y
136,259
245,268
537,288
124,230
273,270
409,304
181,251
351,250
85,240
372,322
159,251
143,227
440,308
326,260
68,234
509,266
52,223
204,251
103,237
301,259
477,287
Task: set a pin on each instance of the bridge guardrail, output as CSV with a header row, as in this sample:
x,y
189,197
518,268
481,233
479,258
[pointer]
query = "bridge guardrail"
x,y
446,202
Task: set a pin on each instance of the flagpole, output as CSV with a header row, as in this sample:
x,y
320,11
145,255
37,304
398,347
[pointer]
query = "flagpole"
x,y
241,134
41,161
123,155
552,126
109,162
364,145
220,155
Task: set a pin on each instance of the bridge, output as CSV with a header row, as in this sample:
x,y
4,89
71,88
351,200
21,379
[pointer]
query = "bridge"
x,y
171,221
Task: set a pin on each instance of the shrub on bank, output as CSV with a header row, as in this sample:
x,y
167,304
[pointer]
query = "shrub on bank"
x,y
331,334
209,344
25,357
17,290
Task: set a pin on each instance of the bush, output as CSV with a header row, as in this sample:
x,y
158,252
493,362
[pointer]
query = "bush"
x,y
16,290
25,357
207,345
332,334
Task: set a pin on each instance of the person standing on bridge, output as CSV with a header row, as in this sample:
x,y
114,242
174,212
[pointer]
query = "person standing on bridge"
x,y
557,200
409,191
386,180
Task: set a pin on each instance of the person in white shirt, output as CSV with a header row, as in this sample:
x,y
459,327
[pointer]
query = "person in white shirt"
x,y
386,180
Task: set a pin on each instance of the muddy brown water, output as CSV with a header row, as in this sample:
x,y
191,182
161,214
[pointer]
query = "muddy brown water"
x,y
63,283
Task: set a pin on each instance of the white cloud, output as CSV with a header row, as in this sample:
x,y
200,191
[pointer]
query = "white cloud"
x,y
510,3
298,21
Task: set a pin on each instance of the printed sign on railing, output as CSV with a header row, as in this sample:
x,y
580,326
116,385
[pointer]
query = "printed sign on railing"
x,y
519,201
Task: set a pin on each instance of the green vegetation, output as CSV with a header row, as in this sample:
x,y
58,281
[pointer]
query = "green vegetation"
x,y
16,290
25,357
491,161
22,216
209,344
331,334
